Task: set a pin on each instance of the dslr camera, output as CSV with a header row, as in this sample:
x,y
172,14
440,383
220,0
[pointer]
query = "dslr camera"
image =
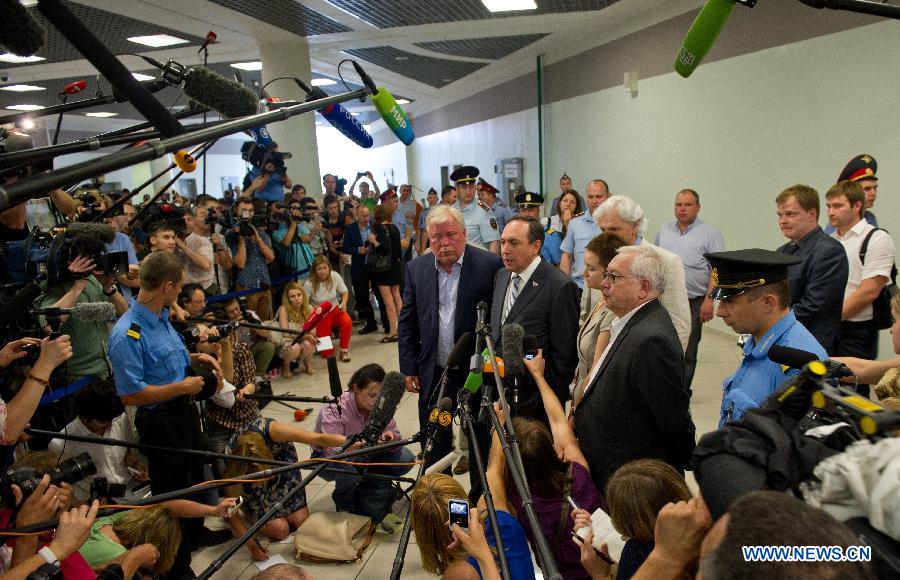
x,y
69,471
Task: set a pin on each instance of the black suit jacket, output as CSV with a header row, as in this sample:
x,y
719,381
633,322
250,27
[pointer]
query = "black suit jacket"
x,y
817,285
637,406
547,307
352,243
420,317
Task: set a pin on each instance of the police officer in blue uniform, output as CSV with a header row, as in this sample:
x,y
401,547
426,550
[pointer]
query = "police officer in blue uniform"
x,y
487,194
150,364
529,205
752,289
482,229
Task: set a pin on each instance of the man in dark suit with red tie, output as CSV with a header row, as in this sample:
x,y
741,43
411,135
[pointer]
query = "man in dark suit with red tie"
x,y
442,289
635,404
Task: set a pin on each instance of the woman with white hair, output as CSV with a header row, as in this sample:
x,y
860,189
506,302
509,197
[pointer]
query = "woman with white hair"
x,y
624,217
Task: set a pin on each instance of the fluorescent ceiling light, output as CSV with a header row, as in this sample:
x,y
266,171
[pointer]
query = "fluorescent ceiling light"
x,y
14,59
322,82
101,114
142,77
28,3
25,107
509,5
402,101
22,88
255,65
157,40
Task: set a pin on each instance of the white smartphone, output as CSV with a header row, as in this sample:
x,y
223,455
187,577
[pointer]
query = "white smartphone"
x,y
237,504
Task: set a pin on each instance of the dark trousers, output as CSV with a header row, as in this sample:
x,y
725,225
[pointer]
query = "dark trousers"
x,y
690,355
175,424
859,339
363,303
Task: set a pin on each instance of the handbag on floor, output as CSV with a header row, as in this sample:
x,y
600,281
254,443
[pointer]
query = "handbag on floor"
x,y
332,537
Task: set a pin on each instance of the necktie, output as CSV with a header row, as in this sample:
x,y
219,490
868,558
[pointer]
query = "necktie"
x,y
516,286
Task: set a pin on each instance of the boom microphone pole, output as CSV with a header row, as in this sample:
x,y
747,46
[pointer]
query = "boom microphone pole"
x,y
204,487
36,186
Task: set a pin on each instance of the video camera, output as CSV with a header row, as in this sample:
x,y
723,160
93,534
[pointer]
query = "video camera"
x,y
258,156
167,213
28,478
192,335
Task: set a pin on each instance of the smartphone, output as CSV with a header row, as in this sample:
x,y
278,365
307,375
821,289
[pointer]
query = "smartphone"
x,y
236,505
459,512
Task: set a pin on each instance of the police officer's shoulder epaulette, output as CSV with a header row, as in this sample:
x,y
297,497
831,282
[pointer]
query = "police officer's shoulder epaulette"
x,y
134,331
550,231
483,205
579,214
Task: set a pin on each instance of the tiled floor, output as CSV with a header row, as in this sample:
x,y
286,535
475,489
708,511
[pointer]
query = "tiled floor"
x,y
718,357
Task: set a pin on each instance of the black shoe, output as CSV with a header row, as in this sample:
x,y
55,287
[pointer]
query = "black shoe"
x,y
209,537
368,330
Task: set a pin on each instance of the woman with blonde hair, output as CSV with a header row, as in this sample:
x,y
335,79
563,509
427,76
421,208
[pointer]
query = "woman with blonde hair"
x,y
326,285
445,557
294,311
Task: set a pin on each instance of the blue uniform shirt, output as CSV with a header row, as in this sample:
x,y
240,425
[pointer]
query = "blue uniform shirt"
x,y
481,225
502,213
551,250
581,230
146,350
274,188
757,377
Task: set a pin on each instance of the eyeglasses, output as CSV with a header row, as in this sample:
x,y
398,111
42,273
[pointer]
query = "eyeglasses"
x,y
614,278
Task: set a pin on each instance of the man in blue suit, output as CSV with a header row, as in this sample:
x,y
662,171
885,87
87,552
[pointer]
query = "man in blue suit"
x,y
442,289
356,244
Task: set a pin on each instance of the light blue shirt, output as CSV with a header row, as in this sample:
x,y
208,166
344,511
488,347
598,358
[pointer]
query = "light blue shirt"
x,y
502,213
146,350
581,230
448,285
399,216
757,377
481,225
690,245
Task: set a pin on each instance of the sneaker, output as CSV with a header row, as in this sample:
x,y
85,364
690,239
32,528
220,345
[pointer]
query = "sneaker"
x,y
462,466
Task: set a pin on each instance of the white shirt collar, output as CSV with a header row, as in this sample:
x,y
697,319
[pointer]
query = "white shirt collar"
x,y
525,275
456,263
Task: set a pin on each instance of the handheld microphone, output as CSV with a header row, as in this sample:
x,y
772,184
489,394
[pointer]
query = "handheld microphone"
x,y
380,416
339,117
461,349
473,382
20,33
530,346
394,117
87,311
703,33
75,87
480,316
442,415
315,317
511,339
334,377
797,359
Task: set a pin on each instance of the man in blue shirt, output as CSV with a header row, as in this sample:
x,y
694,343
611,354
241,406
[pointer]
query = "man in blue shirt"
x,y
150,363
481,225
582,230
689,238
755,299
252,255
487,194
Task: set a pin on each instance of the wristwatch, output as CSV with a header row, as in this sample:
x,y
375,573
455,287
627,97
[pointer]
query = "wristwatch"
x,y
48,555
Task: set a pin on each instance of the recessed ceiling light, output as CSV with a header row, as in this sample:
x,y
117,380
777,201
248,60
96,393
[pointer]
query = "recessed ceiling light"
x,y
101,114
25,107
509,5
14,59
402,101
157,40
255,65
322,82
448,80
142,77
22,88
27,124
401,57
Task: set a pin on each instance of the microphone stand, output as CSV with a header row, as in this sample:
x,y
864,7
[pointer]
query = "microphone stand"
x,y
407,525
510,445
468,424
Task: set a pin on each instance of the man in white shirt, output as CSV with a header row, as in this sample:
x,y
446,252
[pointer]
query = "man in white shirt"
x,y
859,332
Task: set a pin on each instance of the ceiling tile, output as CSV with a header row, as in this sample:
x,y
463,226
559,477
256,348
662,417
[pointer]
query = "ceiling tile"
x,y
437,72
287,15
493,48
